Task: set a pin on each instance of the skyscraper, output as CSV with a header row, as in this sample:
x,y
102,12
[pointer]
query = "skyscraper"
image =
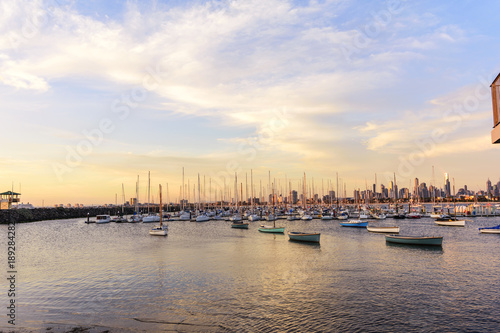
x,y
447,186
489,188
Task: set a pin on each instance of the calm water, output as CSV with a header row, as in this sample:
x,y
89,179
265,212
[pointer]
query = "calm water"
x,y
210,277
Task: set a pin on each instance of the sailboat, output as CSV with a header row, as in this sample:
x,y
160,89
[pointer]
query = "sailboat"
x,y
136,217
162,229
272,228
238,222
452,221
151,217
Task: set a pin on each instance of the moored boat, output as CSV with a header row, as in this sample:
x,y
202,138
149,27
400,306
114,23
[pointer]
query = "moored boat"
x,y
272,229
202,218
102,219
161,229
413,215
453,222
415,240
239,225
135,218
304,237
392,230
490,230
150,218
354,223
253,217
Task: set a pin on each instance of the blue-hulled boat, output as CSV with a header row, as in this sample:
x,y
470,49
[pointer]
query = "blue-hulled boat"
x,y
415,240
354,223
490,230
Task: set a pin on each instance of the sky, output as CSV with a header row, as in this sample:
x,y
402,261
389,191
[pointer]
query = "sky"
x,y
96,93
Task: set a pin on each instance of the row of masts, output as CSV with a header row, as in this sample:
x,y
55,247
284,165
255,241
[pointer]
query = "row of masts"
x,y
223,193
275,190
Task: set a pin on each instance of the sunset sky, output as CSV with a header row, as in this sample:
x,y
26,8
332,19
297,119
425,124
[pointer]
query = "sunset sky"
x,y
94,93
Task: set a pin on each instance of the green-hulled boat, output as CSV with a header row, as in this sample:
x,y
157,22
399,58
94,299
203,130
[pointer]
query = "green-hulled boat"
x,y
415,240
239,225
272,229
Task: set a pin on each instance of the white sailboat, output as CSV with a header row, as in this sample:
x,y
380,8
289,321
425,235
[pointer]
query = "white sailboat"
x,y
237,220
272,228
162,229
136,217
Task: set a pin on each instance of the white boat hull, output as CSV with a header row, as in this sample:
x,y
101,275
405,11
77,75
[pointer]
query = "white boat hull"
x,y
202,218
490,231
150,219
458,223
158,231
392,230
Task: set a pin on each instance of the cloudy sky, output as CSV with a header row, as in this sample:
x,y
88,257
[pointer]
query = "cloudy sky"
x,y
94,93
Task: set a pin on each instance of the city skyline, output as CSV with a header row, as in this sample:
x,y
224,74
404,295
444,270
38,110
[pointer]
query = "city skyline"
x,y
95,93
209,191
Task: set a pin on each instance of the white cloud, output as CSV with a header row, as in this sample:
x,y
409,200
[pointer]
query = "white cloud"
x,y
237,62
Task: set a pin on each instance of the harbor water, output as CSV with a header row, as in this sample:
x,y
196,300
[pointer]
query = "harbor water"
x,y
209,277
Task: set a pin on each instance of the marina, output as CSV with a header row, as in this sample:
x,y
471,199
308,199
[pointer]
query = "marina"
x,y
250,166
117,277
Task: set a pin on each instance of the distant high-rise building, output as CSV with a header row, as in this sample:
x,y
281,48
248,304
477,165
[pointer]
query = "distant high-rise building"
x,y
447,186
332,195
489,188
423,191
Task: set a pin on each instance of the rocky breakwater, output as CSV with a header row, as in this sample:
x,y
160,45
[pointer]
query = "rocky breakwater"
x,y
42,214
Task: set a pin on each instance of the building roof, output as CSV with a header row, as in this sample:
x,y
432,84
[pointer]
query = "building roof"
x,y
10,193
495,80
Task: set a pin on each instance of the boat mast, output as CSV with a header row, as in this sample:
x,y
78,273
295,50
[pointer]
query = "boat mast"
x,y
251,188
123,199
199,202
454,207
304,191
182,188
274,216
161,209
149,188
137,195
167,199
337,193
